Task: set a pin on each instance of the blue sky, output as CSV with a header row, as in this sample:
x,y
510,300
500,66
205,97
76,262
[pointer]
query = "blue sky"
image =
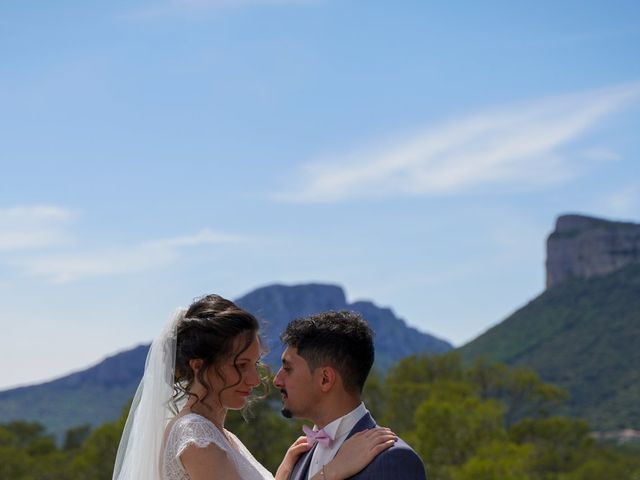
x,y
416,153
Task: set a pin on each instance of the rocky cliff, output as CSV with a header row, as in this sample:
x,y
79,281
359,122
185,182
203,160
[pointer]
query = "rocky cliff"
x,y
585,247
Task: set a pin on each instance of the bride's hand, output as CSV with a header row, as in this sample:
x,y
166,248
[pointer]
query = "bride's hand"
x,y
296,449
358,451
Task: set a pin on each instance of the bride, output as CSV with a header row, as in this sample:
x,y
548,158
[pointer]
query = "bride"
x,y
203,364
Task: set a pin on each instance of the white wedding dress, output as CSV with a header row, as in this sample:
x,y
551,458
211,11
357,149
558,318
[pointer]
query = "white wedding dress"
x,y
194,429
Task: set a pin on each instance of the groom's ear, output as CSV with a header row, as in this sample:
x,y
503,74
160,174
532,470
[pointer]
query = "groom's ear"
x,y
327,379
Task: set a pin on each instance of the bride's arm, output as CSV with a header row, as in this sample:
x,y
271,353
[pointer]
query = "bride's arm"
x,y
298,447
208,463
355,453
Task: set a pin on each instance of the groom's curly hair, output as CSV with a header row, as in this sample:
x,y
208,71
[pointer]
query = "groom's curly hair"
x,y
211,330
342,340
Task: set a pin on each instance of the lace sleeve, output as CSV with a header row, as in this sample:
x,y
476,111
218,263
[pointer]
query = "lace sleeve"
x,y
195,430
192,429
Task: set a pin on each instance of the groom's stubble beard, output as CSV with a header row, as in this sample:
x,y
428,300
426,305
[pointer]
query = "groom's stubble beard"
x,y
286,413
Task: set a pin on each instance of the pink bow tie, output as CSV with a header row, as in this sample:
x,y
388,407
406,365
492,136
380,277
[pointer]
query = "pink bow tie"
x,y
319,436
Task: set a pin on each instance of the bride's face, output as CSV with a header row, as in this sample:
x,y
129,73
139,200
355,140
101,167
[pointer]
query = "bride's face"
x,y
236,380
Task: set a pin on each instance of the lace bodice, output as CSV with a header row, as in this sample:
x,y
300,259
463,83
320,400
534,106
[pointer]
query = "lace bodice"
x,y
193,429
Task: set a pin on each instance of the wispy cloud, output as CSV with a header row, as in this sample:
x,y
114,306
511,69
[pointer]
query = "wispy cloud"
x,y
36,240
204,237
515,146
68,267
33,227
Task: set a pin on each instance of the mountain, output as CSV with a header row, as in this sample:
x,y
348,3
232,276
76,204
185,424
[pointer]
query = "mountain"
x,y
99,393
583,332
276,305
587,247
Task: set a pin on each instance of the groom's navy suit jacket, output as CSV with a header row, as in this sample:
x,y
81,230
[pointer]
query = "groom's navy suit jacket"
x,y
398,462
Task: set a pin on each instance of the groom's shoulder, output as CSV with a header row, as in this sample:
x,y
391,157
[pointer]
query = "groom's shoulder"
x,y
399,461
401,450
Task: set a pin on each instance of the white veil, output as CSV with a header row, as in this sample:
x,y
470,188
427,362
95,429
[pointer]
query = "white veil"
x,y
140,447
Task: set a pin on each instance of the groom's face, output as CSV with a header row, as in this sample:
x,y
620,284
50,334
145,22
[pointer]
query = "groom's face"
x,y
296,384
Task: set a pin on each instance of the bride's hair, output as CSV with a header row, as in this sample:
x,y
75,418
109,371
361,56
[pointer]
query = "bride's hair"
x,y
213,329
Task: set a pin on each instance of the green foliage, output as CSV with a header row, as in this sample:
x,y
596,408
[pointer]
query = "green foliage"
x,y
75,437
374,394
561,444
96,458
520,389
489,421
27,453
497,460
449,432
606,463
408,385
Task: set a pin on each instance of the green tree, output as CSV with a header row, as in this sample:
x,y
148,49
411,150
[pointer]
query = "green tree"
x,y
97,456
75,437
497,460
409,383
453,424
375,394
520,389
561,444
27,452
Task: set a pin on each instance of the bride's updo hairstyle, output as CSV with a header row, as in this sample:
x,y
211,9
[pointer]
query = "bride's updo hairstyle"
x,y
214,330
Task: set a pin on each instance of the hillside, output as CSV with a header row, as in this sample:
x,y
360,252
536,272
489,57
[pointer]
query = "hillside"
x,y
99,393
583,335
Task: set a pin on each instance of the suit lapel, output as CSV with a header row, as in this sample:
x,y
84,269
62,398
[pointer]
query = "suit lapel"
x,y
301,469
364,423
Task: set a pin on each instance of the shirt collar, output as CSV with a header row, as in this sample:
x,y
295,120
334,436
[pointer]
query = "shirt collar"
x,y
343,425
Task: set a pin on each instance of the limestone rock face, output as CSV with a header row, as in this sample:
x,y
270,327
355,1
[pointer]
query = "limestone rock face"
x,y
586,247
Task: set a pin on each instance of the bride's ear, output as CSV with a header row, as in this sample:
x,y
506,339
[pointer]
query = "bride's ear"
x,y
196,364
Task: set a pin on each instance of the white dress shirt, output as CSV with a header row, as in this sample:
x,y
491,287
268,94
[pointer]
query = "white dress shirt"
x,y
338,431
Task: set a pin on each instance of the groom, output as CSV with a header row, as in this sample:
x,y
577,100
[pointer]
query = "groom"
x,y
324,367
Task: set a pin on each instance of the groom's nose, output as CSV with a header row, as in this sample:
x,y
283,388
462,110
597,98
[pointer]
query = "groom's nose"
x,y
276,380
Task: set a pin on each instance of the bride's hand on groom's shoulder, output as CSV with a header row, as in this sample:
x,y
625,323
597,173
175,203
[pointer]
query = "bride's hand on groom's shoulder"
x,y
297,448
358,451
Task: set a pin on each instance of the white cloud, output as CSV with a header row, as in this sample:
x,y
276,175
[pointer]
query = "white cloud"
x,y
204,237
31,227
62,268
36,239
519,145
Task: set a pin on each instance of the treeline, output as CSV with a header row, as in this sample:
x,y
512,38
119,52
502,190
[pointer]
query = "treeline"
x,y
479,422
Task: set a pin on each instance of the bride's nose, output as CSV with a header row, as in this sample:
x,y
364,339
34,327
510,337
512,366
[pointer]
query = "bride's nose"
x,y
252,378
